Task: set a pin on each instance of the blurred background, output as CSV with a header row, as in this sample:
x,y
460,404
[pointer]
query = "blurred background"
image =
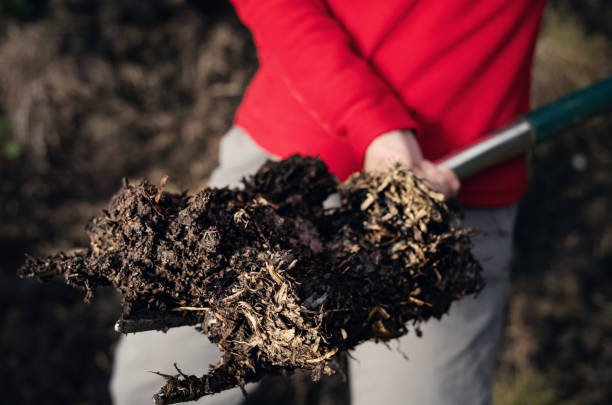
x,y
92,91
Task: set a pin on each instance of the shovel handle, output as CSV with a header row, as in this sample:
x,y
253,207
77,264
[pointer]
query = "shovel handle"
x,y
530,128
571,109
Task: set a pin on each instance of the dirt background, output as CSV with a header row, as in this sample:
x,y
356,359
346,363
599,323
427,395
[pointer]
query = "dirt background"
x,y
91,91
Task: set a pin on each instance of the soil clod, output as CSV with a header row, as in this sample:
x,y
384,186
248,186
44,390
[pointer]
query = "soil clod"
x,y
273,278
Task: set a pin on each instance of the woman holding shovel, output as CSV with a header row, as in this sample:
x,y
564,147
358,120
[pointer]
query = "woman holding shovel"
x,y
365,85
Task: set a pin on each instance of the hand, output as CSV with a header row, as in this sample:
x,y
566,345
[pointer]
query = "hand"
x,y
400,146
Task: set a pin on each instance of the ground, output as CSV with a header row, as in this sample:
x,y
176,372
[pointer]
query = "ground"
x,y
94,93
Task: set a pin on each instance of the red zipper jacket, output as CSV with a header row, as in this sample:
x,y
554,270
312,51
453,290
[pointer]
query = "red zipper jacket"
x,y
336,74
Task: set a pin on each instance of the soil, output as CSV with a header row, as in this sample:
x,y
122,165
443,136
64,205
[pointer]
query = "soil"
x,y
276,281
84,86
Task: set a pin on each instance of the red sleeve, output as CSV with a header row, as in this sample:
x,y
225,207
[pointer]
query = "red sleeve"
x,y
322,68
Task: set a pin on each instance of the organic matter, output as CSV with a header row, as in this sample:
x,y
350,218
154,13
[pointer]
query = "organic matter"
x,y
277,281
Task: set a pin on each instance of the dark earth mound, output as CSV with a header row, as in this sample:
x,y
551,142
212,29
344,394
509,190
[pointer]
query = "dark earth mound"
x,y
274,279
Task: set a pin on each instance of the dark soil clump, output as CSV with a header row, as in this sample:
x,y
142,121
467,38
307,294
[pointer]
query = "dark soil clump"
x,y
273,278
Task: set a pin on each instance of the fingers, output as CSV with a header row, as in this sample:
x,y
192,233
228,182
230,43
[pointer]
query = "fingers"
x,y
442,180
384,162
451,180
402,147
391,148
416,156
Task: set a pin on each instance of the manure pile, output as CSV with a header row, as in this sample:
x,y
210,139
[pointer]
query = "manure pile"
x,y
273,278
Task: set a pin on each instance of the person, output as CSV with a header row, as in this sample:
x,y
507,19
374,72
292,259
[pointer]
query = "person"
x,y
365,85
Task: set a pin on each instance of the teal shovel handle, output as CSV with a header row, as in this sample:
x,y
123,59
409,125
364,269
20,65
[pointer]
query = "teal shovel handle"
x,y
520,135
571,109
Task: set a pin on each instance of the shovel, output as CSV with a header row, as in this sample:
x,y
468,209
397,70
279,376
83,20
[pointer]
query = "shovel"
x,y
510,140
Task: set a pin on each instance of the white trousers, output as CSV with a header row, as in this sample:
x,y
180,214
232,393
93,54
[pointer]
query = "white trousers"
x,y
452,363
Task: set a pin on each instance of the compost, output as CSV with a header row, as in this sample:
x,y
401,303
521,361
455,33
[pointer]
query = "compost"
x,y
276,280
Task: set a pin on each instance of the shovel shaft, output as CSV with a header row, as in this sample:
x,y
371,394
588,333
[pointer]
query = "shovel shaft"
x,y
502,144
533,127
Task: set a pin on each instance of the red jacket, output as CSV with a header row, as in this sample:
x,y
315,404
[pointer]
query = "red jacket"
x,y
336,74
